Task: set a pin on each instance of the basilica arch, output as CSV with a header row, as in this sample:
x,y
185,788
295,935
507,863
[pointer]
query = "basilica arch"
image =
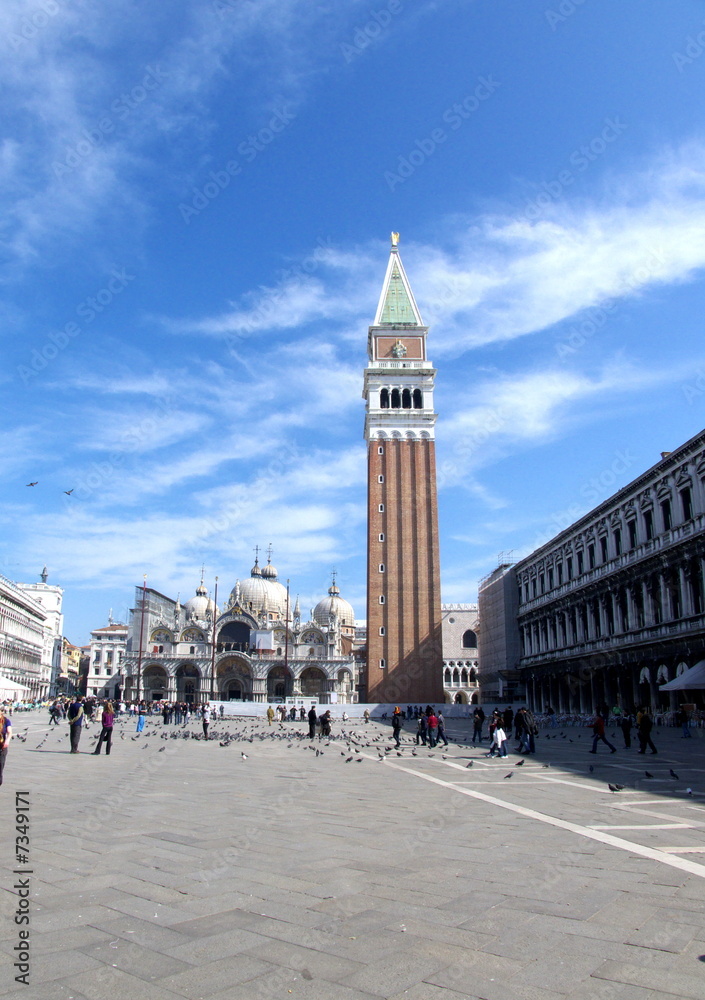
x,y
280,683
313,683
188,683
155,682
233,678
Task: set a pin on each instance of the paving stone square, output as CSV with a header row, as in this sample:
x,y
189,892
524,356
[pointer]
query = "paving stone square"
x,y
179,868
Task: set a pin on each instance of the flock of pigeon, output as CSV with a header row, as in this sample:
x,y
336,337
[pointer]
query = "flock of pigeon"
x,y
355,743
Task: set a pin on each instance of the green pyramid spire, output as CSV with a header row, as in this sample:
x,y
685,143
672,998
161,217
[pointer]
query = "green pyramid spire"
x,y
396,305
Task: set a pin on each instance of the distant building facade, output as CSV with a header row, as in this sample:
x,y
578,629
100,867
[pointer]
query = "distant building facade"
x,y
253,648
68,679
50,598
614,606
499,646
105,673
22,639
459,629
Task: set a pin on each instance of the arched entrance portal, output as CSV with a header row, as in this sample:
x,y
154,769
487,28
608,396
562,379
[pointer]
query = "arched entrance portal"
x,y
313,682
188,684
154,682
234,680
280,683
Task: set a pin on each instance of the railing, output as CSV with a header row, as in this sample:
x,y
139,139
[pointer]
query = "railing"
x,y
645,634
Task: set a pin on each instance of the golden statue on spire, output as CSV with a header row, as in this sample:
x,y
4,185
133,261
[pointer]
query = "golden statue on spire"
x,y
395,240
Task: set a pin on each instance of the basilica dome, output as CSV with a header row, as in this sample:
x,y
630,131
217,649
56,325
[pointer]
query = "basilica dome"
x,y
261,592
201,606
334,604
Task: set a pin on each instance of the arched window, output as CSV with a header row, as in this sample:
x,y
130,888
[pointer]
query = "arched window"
x,y
418,403
463,676
446,676
396,399
473,675
384,399
469,639
406,399
456,676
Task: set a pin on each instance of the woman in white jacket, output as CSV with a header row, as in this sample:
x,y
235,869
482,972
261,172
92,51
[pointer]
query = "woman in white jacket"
x,y
499,742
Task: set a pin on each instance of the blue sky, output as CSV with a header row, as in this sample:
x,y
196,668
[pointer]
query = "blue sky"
x,y
197,204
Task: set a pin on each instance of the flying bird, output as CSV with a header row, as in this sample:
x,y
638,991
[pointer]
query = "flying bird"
x,y
32,484
69,492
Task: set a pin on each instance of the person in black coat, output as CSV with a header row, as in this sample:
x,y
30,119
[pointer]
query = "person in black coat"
x,y
312,720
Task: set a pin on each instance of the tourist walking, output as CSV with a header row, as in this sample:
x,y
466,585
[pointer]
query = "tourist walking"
x,y
312,720
441,728
478,718
75,717
205,719
141,716
397,725
421,730
625,723
432,726
646,724
270,715
107,721
499,742
507,719
5,737
598,728
684,720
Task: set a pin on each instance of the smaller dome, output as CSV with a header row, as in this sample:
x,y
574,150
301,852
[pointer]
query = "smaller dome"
x,y
269,572
200,606
336,605
256,571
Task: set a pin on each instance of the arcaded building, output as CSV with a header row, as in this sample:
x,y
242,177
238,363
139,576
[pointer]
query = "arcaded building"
x,y
613,606
461,677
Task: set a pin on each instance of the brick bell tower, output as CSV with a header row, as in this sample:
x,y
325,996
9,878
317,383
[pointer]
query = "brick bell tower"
x,y
404,658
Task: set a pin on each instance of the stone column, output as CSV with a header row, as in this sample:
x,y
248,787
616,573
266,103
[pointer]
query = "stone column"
x,y
665,594
259,689
602,614
686,593
648,609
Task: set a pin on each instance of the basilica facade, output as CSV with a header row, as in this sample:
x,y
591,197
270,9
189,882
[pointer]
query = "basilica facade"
x,y
254,647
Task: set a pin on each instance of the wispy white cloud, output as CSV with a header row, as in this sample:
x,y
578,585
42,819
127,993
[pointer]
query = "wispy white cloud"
x,y
506,275
510,411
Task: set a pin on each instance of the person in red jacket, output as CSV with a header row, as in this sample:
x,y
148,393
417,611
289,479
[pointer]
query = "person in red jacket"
x,y
598,728
432,726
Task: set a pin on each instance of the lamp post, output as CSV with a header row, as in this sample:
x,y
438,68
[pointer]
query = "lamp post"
x,y
215,616
139,654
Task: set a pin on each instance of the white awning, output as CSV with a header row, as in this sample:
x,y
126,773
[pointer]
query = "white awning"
x,y
689,680
11,689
